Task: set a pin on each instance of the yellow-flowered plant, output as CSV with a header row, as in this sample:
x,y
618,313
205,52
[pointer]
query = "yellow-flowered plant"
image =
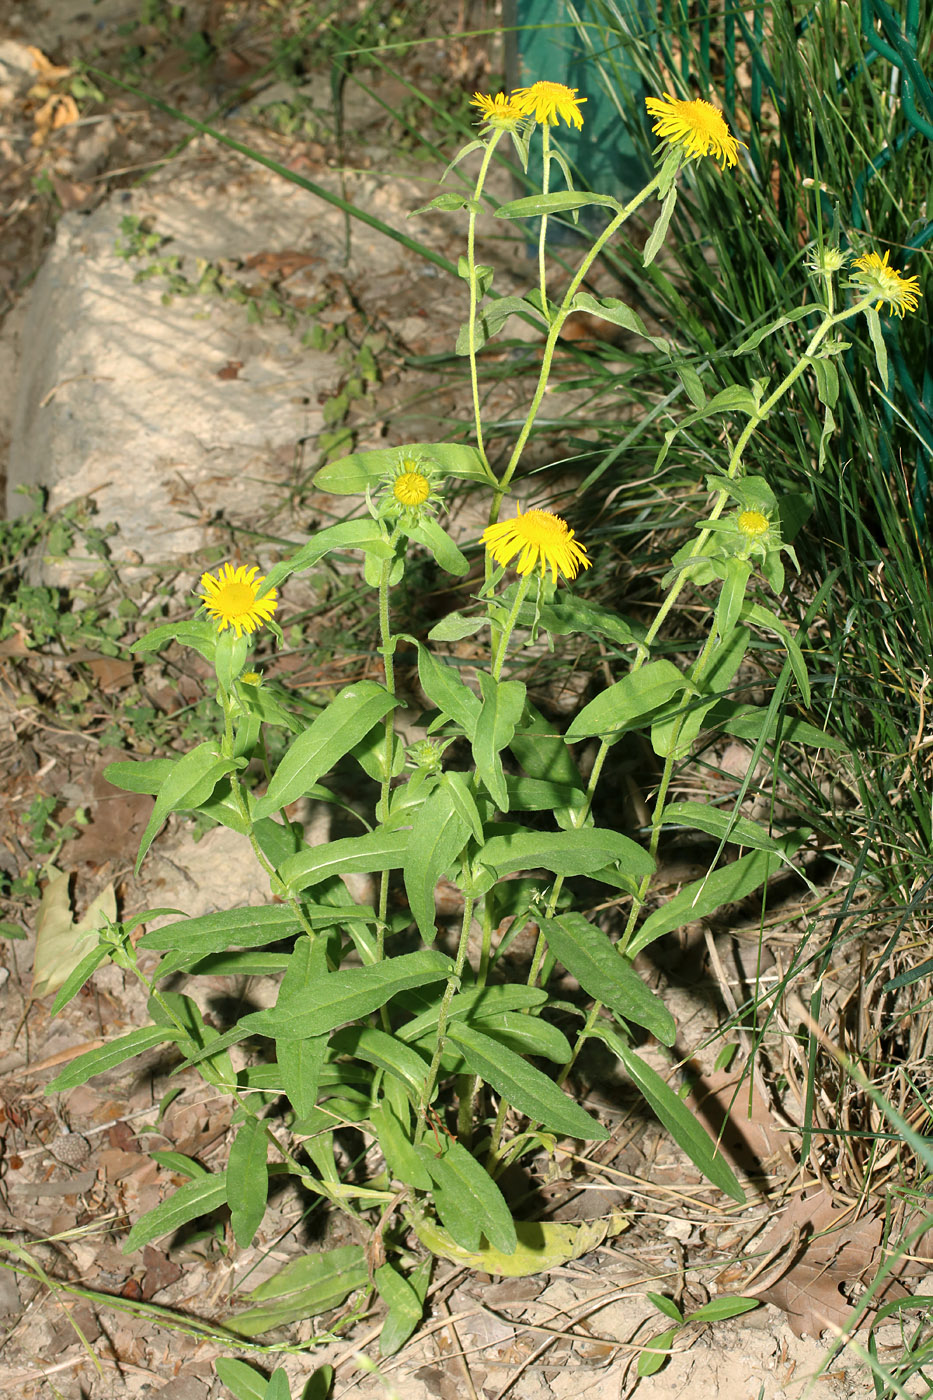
x,y
429,1046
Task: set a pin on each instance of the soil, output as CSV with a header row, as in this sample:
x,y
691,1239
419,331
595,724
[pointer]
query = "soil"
x,y
77,1168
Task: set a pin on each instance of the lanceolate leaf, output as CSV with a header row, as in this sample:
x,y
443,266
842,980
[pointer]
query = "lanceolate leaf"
x,y
301,1061
305,1288
114,1053
474,1205
522,1085
626,704
697,901
364,534
725,826
386,1052
475,1004
247,1180
346,720
444,688
503,702
198,1197
361,470
437,837
349,994
189,783
588,955
618,314
564,852
375,850
675,1115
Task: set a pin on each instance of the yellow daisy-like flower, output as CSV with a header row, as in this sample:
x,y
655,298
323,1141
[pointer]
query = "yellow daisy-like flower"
x,y
548,101
539,539
499,111
411,488
753,524
697,127
878,278
232,598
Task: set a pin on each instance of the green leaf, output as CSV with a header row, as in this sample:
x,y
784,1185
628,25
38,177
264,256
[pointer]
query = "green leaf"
x,y
524,1086
468,1200
304,1288
444,687
627,703
114,1053
405,1299
556,203
725,826
458,784
491,320
195,1198
277,1388
318,1386
761,617
301,1061
247,1180
362,471
482,273
748,722
447,203
437,837
201,636
676,1117
191,781
656,1352
455,626
395,1140
601,970
364,533
533,795
366,854
719,1309
667,1307
502,705
564,852
541,751
527,1035
244,1381
878,345
143,775
659,232
81,974
755,339
693,385
475,1003
386,1052
617,313
575,614
349,994
726,885
347,719
437,542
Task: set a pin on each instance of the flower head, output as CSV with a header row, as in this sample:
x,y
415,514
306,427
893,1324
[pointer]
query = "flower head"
x,y
823,262
548,101
753,524
539,539
500,111
232,598
697,127
408,488
879,279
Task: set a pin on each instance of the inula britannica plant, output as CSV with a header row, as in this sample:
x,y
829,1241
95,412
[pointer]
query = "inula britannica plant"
x,y
447,1064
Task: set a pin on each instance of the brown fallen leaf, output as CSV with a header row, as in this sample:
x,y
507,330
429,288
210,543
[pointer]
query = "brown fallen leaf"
x,y
739,1120
838,1256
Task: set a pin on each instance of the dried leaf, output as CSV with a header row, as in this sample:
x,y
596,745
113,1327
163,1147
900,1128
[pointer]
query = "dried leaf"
x,y
61,943
838,1257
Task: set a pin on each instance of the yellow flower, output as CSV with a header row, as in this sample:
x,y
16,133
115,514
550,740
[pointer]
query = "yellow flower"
x,y
753,524
548,101
698,127
499,111
537,537
411,488
900,292
232,599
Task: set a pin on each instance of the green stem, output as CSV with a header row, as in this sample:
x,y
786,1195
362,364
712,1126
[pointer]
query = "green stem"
x,y
563,311
500,641
453,984
387,651
474,294
579,819
542,235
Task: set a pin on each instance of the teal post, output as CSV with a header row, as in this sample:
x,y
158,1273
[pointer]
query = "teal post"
x,y
544,43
